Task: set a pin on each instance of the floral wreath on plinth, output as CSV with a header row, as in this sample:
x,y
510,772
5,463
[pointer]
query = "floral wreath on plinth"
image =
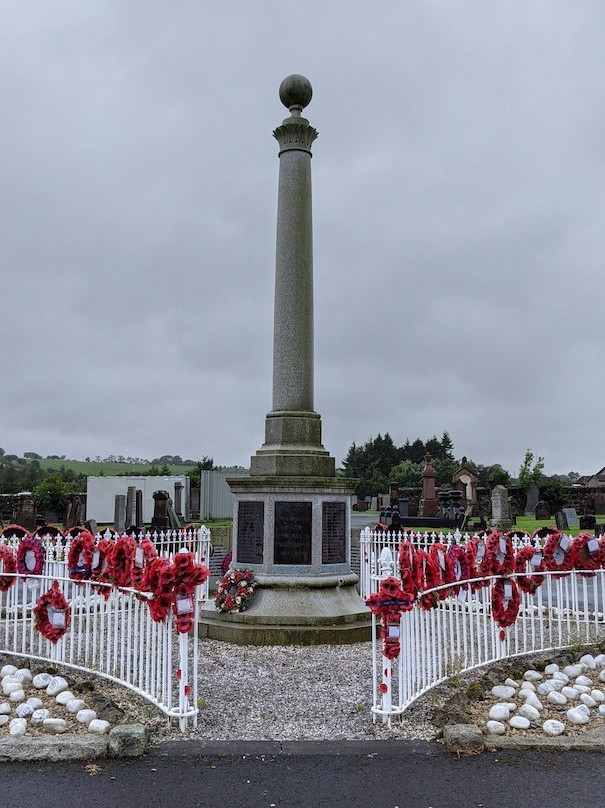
x,y
557,554
528,582
8,564
505,603
235,591
79,556
587,554
52,614
30,545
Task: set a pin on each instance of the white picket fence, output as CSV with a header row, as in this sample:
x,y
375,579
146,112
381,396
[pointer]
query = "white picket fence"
x,y
459,634
114,638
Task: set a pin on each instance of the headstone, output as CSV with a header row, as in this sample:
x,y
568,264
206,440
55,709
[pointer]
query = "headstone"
x,y
139,509
91,526
571,516
160,520
429,504
533,495
75,511
119,518
403,507
374,506
500,508
131,505
599,503
560,520
173,520
178,500
587,522
542,510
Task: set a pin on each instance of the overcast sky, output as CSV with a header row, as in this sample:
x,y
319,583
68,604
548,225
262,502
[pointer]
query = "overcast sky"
x,y
459,224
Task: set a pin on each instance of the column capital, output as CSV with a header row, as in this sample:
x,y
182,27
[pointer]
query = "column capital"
x,y
295,134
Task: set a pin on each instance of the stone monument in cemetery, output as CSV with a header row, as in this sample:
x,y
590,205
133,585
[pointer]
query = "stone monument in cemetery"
x,y
501,516
292,514
429,503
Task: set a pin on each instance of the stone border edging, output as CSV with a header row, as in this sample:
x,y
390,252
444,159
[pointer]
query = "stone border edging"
x,y
124,740
467,739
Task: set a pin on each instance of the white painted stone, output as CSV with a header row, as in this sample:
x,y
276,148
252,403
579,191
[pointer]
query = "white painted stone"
x,y
528,686
511,705
4,719
24,675
35,702
503,691
5,708
17,696
86,716
602,676
598,696
519,722
563,677
544,688
17,727
553,727
499,712
600,660
588,700
583,680
582,688
572,670
42,680
102,727
550,669
54,726
532,676
9,686
511,683
589,661
39,717
527,711
64,696
556,698
534,701
495,728
56,685
75,705
24,710
7,670
576,716
558,684
570,693
601,710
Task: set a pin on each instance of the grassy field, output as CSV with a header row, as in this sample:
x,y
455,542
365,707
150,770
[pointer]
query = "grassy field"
x,y
93,469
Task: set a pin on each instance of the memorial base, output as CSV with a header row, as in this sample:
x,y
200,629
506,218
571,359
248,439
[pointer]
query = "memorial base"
x,y
317,610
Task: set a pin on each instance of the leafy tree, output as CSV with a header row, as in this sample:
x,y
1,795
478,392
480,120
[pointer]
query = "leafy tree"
x,y
497,475
434,448
406,474
555,493
31,456
445,469
530,470
51,493
417,451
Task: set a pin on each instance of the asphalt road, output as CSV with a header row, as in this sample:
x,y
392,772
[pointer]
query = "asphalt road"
x,y
416,775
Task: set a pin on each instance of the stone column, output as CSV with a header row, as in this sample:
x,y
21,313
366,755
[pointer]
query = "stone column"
x,y
119,518
131,505
292,429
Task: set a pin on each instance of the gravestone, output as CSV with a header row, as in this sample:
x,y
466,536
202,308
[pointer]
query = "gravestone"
x,y
131,513
75,511
542,510
500,508
599,503
560,521
429,504
160,510
587,522
571,517
119,516
533,495
139,509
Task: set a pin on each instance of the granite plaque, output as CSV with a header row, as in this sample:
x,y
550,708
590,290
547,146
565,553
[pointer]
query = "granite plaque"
x,y
333,529
293,530
250,532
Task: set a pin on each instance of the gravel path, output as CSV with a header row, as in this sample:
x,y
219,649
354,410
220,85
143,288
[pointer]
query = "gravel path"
x,y
290,693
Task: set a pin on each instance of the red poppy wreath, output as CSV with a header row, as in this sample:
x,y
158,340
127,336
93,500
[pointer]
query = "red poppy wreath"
x,y
527,580
79,556
505,603
30,557
52,614
8,565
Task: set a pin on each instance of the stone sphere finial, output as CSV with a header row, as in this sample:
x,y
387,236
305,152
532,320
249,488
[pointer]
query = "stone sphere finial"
x,y
296,92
